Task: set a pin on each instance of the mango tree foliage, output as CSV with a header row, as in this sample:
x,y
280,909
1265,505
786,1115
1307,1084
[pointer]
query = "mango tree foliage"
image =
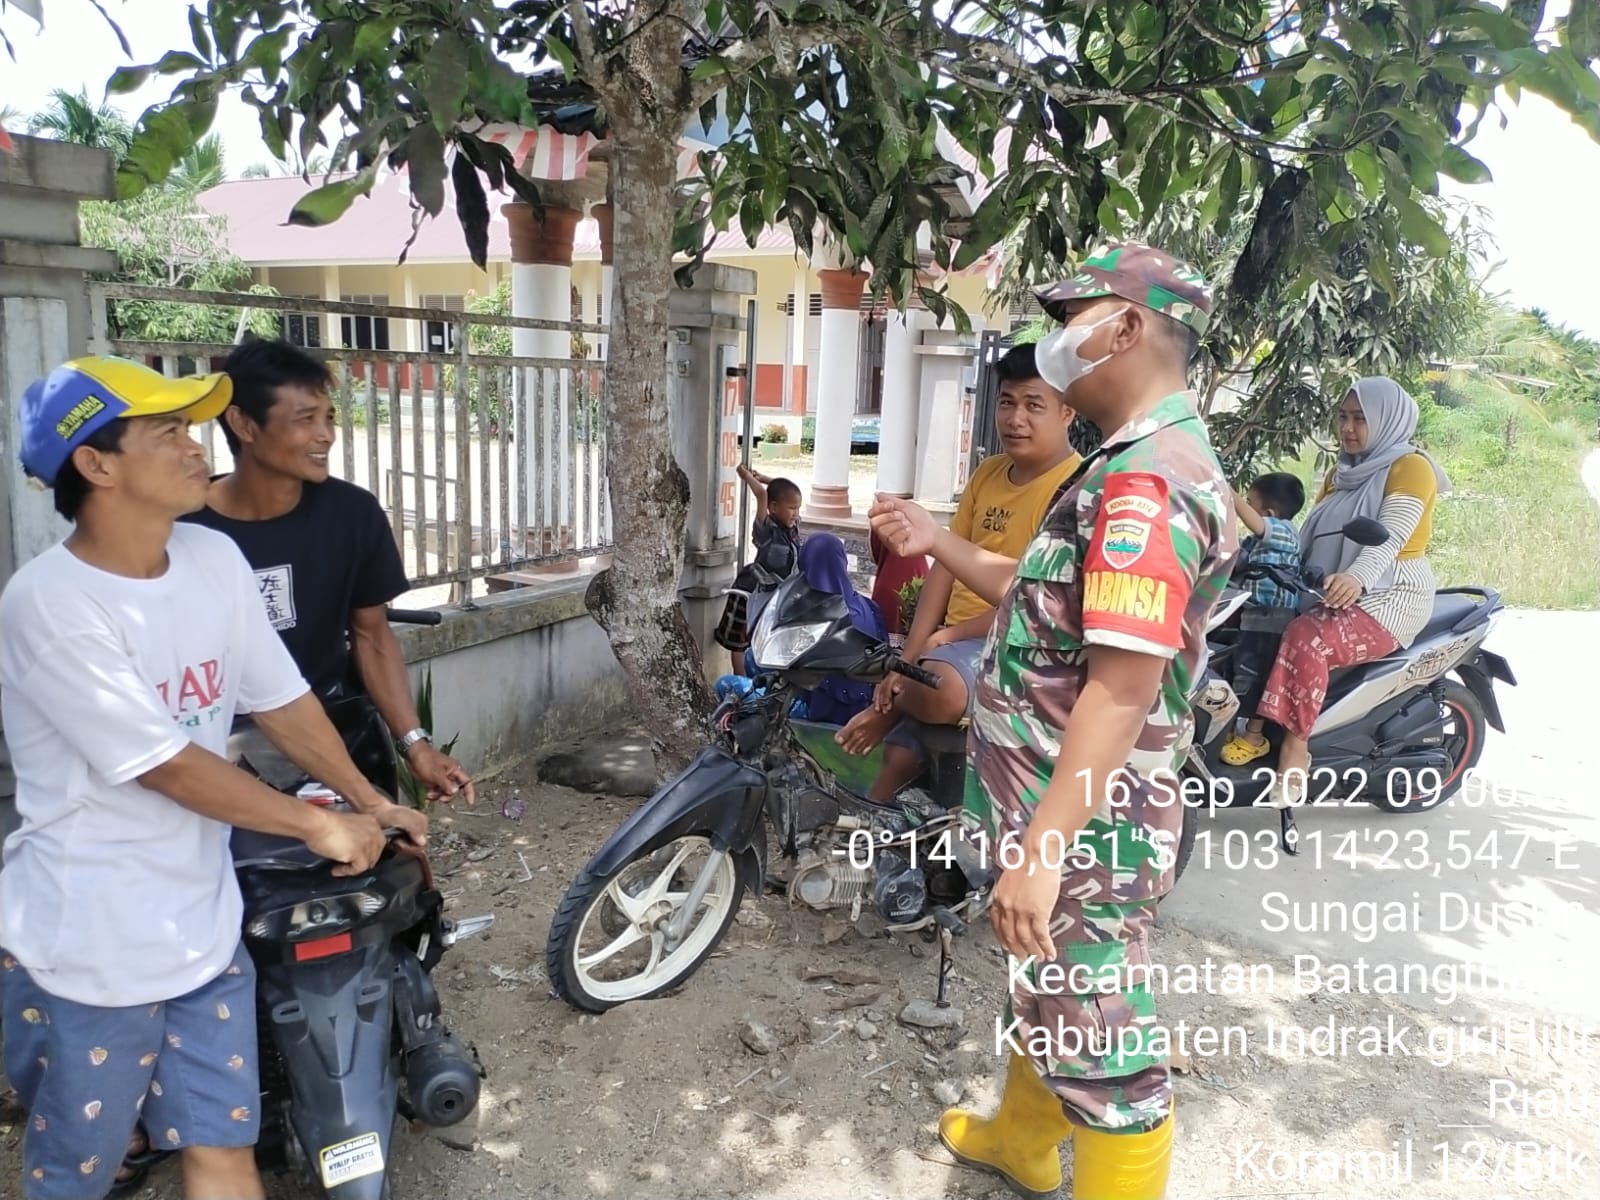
x,y
164,238
1314,131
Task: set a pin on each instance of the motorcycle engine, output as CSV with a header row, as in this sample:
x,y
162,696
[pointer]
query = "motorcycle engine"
x,y
824,877
835,872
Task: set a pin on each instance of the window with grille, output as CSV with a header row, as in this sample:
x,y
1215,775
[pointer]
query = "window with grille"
x,y
303,329
439,337
365,333
813,304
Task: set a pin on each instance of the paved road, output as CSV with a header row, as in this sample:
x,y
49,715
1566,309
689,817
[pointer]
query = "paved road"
x,y
1524,833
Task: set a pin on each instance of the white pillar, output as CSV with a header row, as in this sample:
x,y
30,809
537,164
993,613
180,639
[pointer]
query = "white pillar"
x,y
541,288
602,214
836,392
333,329
897,439
797,345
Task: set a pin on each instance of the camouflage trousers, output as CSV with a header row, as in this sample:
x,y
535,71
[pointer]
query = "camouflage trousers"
x,y
1087,1019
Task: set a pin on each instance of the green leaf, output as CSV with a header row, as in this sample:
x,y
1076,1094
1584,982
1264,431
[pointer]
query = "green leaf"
x,y
425,165
472,208
1155,172
1232,184
707,68
1420,228
1421,17
164,136
1581,34
374,41
445,84
1110,218
197,31
328,203
266,52
1363,163
175,61
563,54
1458,164
1505,32
128,79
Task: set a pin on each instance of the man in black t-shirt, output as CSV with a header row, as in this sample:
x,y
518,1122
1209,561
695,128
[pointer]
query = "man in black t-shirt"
x,y
325,560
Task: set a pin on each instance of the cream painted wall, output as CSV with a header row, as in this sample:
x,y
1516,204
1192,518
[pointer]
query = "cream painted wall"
x,y
775,276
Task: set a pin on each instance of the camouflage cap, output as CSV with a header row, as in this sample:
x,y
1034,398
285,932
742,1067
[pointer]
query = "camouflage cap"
x,y
1139,273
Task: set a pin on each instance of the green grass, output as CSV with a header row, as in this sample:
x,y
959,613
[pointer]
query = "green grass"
x,y
1518,518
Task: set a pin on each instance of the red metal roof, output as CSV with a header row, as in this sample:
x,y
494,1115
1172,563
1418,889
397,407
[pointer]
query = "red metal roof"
x,y
377,226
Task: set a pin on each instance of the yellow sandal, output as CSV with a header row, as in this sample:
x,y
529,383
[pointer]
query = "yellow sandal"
x,y
1240,751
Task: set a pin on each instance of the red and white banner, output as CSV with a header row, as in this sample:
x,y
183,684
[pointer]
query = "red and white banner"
x,y
542,152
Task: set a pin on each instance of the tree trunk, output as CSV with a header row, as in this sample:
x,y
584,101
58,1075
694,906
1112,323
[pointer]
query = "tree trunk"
x,y
636,600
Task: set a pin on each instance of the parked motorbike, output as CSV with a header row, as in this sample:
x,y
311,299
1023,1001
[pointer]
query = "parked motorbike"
x,y
350,1029
1395,732
665,886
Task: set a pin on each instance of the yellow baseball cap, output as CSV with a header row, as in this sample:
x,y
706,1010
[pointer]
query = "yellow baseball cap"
x,y
61,411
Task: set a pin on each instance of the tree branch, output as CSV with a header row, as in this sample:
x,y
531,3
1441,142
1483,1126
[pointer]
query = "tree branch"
x,y
782,41
583,35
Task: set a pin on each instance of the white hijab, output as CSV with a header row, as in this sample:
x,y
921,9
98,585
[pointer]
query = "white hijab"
x,y
1358,479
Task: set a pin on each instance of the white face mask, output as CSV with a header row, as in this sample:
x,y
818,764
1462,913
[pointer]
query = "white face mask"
x,y
1057,359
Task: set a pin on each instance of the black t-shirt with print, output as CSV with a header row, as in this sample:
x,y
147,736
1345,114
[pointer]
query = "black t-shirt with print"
x,y
333,553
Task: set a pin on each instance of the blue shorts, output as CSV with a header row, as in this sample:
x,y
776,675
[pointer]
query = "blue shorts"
x,y
86,1076
966,656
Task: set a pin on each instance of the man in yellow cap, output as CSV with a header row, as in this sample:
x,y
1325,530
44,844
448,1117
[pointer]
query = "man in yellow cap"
x,y
125,652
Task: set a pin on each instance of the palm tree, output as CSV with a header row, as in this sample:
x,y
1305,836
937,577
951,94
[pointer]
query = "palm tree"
x,y
76,118
202,167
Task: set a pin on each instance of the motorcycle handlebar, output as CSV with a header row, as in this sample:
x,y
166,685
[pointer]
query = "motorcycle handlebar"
x,y
414,616
916,673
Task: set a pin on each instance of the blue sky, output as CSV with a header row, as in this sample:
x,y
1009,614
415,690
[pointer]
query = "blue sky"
x,y
1546,171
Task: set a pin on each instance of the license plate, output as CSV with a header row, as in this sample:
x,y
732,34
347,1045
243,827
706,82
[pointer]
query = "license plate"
x,y
353,1159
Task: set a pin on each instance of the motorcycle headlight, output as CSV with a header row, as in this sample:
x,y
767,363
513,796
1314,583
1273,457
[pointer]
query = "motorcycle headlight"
x,y
778,649
318,918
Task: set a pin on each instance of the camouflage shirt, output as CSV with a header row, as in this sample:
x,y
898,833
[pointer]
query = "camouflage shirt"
x,y
1134,553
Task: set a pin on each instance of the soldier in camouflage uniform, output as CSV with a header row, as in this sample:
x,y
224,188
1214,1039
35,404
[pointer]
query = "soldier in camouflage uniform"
x,y
1098,635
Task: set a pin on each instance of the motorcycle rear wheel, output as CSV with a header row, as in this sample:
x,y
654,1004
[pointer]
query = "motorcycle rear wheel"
x,y
1459,708
639,916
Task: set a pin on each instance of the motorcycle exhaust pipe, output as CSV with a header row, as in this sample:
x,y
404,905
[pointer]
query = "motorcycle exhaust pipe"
x,y
442,1082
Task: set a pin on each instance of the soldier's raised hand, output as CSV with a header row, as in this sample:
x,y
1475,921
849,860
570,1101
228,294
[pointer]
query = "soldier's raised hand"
x,y
906,528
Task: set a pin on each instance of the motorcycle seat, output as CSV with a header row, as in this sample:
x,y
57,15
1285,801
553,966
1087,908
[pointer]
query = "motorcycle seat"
x,y
1449,607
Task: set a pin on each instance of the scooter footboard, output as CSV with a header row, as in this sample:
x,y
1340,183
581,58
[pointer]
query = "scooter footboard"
x,y
332,1022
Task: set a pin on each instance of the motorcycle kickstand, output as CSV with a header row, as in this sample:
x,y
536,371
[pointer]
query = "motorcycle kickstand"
x,y
946,966
1289,834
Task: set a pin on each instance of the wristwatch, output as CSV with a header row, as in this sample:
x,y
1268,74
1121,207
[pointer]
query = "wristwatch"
x,y
418,734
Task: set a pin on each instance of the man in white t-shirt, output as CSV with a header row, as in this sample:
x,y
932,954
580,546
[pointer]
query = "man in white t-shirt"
x,y
125,653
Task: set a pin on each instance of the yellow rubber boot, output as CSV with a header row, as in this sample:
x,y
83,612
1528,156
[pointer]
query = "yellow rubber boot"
x,y
1022,1141
1121,1166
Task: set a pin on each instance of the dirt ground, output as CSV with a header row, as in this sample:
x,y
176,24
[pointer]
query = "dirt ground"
x,y
666,1099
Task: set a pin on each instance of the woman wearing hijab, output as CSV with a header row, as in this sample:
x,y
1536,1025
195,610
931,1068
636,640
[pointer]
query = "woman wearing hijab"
x,y
894,572
823,563
1377,598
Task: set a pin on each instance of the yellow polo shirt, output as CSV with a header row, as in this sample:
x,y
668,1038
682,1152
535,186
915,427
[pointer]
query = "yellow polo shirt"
x,y
998,515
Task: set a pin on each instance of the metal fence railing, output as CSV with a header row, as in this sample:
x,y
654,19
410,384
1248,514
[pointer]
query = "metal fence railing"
x,y
485,462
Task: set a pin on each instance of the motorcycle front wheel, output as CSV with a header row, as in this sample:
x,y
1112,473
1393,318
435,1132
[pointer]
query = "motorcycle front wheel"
x,y
605,922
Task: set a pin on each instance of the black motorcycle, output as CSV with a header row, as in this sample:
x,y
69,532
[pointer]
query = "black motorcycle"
x,y
664,888
350,1030
1394,732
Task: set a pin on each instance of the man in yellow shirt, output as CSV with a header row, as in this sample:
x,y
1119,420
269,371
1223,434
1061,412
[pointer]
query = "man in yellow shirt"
x,y
1001,507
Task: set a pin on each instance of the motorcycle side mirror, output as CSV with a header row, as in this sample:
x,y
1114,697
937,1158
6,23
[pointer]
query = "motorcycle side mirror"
x,y
1364,531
